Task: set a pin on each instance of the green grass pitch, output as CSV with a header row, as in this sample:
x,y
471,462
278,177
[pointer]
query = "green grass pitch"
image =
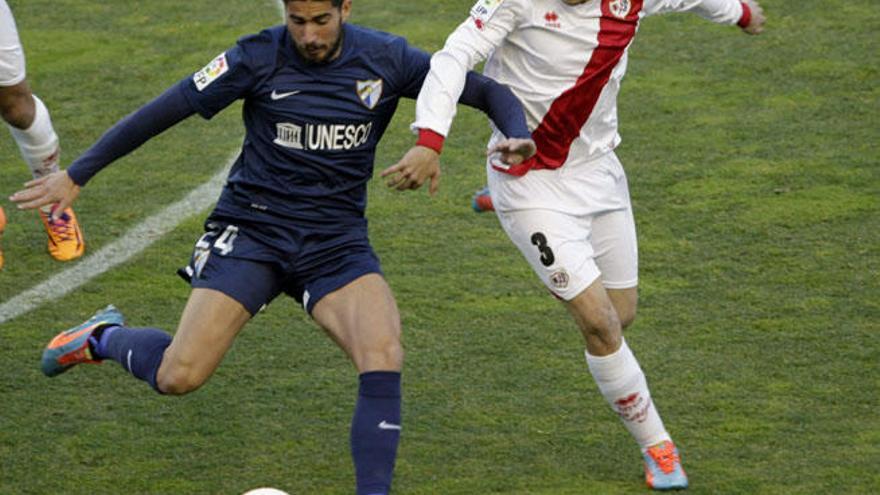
x,y
753,166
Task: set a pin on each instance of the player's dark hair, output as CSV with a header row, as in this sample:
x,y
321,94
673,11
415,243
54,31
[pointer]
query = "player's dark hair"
x,y
335,3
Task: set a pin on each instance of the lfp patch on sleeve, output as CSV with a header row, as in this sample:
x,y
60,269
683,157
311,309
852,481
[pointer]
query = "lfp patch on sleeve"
x,y
483,10
211,72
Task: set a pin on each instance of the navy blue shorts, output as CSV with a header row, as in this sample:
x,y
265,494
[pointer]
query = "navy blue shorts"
x,y
254,263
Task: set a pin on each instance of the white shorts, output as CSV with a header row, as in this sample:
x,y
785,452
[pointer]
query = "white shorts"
x,y
574,224
11,52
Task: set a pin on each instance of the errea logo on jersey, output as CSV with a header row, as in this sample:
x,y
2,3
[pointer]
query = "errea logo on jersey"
x,y
551,19
322,137
211,72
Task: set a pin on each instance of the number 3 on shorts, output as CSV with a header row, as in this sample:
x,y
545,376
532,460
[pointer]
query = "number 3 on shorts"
x,y
540,240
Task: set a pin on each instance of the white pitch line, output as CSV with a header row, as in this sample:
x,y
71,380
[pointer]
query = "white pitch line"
x,y
129,244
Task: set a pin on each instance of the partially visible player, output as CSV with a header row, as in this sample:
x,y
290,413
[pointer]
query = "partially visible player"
x,y
567,208
28,120
2,228
318,95
482,200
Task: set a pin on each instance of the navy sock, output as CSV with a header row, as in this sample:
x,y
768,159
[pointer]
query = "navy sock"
x,y
375,431
138,350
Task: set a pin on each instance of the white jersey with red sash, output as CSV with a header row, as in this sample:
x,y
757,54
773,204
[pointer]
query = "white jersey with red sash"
x,y
564,62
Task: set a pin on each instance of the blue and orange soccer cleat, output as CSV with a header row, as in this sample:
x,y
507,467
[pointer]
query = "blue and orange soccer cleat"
x,y
663,469
482,201
71,347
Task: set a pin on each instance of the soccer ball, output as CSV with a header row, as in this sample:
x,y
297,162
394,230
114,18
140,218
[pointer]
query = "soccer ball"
x,y
265,491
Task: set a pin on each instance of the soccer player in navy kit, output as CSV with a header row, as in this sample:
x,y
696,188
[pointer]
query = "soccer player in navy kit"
x,y
318,96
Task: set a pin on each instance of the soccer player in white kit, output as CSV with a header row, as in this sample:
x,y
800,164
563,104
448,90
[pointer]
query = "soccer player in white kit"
x,y
28,120
567,208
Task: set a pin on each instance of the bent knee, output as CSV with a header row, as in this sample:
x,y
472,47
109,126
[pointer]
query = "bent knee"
x,y
179,380
600,323
388,357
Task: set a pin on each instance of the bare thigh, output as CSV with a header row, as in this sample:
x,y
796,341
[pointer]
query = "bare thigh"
x,y
207,329
362,318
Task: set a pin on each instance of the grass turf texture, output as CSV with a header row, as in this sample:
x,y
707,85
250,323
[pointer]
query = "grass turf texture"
x,y
753,169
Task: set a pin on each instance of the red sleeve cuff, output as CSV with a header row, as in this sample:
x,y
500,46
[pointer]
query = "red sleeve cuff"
x,y
430,139
746,17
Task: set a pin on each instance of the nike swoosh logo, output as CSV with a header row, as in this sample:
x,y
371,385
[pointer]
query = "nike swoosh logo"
x,y
384,425
280,96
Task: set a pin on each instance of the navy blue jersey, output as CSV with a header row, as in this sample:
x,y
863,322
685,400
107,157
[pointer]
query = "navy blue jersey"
x,y
311,129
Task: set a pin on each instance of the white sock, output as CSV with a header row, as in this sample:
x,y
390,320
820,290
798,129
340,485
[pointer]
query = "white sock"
x,y
622,383
38,143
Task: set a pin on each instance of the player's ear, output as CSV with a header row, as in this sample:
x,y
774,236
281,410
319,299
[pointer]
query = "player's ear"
x,y
346,9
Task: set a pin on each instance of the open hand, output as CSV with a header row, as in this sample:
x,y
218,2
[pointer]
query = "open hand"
x,y
514,151
756,24
418,165
55,188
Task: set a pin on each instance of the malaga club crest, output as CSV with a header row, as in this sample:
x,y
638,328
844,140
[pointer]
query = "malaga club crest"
x,y
369,92
619,8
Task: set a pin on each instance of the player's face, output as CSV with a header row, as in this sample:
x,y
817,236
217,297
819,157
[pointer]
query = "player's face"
x,y
316,28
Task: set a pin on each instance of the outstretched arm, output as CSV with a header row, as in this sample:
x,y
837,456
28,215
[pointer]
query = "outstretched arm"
x,y
471,43
506,111
224,80
498,102
125,136
448,82
421,163
747,14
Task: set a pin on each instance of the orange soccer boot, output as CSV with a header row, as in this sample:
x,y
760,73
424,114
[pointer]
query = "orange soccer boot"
x,y
65,237
663,469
